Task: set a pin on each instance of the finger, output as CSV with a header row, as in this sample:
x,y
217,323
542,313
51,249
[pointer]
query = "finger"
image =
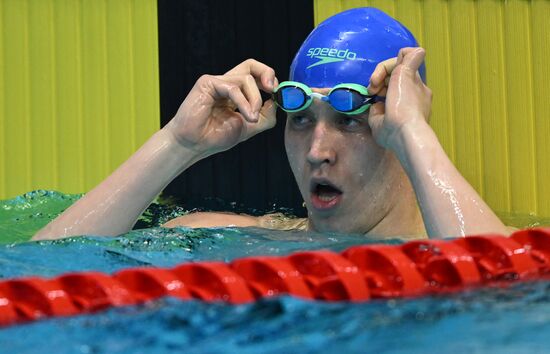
x,y
381,73
267,120
382,92
414,58
264,75
376,116
250,88
268,115
226,89
377,109
252,92
404,52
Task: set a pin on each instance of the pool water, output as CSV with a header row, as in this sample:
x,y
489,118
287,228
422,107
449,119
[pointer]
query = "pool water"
x,y
510,320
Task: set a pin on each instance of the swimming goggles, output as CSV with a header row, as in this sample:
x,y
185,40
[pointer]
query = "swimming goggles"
x,y
351,99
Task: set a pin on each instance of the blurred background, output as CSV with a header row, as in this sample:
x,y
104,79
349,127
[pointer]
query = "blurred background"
x,y
83,83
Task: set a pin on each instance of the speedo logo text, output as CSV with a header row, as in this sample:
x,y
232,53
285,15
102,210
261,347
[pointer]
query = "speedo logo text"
x,y
329,55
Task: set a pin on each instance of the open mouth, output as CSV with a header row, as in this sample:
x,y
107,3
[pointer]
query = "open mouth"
x,y
324,195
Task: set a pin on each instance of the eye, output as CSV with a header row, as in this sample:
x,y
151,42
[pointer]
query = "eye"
x,y
349,122
300,120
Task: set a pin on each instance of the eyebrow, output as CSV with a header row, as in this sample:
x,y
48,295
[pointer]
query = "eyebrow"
x,y
307,110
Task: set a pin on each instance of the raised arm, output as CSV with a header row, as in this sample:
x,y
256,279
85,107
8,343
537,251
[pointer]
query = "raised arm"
x,y
449,205
206,123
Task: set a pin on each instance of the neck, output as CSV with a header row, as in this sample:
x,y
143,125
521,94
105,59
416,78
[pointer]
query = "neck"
x,y
404,219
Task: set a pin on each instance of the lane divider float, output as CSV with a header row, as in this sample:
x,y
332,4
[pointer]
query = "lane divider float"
x,y
357,274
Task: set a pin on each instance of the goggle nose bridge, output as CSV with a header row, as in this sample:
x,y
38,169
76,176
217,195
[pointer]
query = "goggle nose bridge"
x,y
320,96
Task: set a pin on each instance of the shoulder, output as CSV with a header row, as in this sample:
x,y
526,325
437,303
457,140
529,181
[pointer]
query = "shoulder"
x,y
213,219
279,221
276,221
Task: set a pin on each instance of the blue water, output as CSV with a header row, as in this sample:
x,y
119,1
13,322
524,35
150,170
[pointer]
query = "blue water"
x,y
513,320
493,320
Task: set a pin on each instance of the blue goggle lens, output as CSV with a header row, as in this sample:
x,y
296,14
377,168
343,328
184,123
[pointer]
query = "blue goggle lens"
x,y
345,100
292,98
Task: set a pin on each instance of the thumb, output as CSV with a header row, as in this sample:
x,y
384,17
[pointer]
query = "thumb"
x,y
376,116
267,118
268,115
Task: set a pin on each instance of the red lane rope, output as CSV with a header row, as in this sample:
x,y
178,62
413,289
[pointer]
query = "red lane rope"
x,y
358,274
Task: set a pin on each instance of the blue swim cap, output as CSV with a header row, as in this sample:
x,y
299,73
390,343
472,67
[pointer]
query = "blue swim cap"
x,y
346,48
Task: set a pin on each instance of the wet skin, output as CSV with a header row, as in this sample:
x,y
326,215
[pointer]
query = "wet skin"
x,y
356,174
325,147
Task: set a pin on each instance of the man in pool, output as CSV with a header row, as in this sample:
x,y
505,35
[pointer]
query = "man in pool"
x,y
363,164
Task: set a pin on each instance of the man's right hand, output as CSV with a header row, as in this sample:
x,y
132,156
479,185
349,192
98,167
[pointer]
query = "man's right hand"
x,y
221,111
205,123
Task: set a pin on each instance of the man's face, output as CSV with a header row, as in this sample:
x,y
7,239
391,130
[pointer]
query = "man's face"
x,y
348,182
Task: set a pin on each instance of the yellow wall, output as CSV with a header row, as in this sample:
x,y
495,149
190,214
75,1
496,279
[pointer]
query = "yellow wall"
x,y
75,78
488,66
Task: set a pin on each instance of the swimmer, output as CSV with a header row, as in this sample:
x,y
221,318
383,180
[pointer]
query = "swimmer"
x,y
363,154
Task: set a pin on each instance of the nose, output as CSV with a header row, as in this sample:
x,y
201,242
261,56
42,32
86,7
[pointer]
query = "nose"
x,y
321,149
